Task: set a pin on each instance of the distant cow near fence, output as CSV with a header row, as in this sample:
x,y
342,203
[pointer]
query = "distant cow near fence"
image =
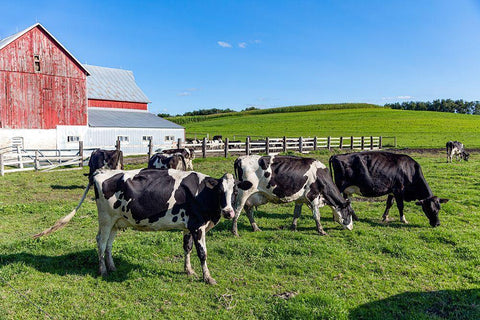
x,y
165,161
104,159
455,148
187,153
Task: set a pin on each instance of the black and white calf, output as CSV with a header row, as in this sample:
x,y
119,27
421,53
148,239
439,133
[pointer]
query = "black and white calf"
x,y
153,200
282,179
374,174
186,153
455,148
165,161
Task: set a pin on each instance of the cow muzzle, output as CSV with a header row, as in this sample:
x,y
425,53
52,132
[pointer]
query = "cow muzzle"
x,y
228,213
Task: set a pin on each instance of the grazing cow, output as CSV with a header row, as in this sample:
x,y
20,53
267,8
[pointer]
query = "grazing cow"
x,y
154,200
282,179
455,148
374,174
106,159
165,161
187,154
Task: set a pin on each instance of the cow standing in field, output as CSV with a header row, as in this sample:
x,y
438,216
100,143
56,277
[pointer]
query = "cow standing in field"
x,y
374,174
455,148
187,154
165,161
154,200
282,179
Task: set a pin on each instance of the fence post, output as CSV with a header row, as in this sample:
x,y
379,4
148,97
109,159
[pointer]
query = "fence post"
x,y
204,147
371,142
36,164
179,143
284,144
267,146
80,153
300,145
247,145
226,148
363,143
2,168
341,143
315,143
351,142
20,162
150,148
117,145
329,142
380,142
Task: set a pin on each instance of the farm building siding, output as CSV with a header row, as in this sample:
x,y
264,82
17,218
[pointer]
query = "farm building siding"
x,y
54,95
117,104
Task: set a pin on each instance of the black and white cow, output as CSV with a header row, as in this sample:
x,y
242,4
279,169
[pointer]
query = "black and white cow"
x,y
154,200
374,174
282,179
187,154
105,159
165,161
455,148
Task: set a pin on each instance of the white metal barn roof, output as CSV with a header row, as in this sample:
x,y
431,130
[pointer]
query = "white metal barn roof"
x,y
100,117
113,84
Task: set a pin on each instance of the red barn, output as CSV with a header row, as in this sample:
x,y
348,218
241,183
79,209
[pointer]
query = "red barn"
x,y
49,100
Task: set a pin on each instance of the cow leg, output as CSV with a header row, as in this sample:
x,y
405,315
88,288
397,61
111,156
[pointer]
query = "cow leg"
x,y
296,214
102,239
399,201
187,247
200,245
387,208
316,215
242,198
108,250
249,211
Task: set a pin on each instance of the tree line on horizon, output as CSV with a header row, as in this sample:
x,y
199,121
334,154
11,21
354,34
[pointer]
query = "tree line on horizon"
x,y
203,112
439,105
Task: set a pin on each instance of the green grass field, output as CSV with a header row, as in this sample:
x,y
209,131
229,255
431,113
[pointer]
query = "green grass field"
x,y
413,129
376,271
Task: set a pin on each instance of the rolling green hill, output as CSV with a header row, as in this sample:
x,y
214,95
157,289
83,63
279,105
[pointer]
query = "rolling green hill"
x,y
413,129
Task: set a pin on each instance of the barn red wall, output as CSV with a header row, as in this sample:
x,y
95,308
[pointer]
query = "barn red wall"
x,y
57,95
117,104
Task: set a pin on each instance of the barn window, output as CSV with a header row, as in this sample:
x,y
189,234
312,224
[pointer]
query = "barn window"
x,y
169,138
147,139
123,138
36,62
73,138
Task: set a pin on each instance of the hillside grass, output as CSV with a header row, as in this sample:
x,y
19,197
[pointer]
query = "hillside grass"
x,y
376,271
413,129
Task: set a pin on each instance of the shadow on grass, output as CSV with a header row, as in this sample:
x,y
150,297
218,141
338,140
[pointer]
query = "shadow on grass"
x,y
82,263
392,224
71,187
444,304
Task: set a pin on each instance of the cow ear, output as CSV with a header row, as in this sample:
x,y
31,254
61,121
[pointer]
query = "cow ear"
x,y
419,203
443,200
210,182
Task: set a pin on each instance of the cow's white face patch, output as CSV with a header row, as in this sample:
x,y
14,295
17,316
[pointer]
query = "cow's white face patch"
x,y
228,187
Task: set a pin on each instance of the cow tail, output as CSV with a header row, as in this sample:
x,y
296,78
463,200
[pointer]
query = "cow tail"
x,y
330,166
184,163
63,221
236,166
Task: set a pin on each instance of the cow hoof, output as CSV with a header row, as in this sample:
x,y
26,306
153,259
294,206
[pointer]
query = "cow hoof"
x,y
293,227
404,220
190,273
210,281
112,268
235,233
256,229
322,233
386,219
103,273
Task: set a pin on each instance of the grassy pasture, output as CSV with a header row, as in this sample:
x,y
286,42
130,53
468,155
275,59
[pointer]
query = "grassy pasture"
x,y
375,271
413,129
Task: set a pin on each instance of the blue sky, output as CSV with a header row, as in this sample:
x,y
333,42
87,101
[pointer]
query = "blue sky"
x,y
190,55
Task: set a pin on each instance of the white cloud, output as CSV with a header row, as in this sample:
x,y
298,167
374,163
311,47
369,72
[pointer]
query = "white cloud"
x,y
224,44
257,41
404,97
398,98
187,92
242,45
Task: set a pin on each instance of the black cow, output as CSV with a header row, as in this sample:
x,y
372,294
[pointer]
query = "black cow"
x,y
165,161
282,179
154,200
374,174
187,154
455,148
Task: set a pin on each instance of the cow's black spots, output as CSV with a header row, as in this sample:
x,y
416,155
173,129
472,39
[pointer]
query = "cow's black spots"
x,y
125,216
112,185
266,174
117,204
174,219
187,242
244,185
264,162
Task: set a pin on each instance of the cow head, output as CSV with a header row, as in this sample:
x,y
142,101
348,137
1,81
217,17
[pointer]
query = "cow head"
x,y
343,214
227,191
431,207
465,155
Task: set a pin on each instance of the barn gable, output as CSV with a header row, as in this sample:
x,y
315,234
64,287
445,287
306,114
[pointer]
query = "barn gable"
x,y
45,85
